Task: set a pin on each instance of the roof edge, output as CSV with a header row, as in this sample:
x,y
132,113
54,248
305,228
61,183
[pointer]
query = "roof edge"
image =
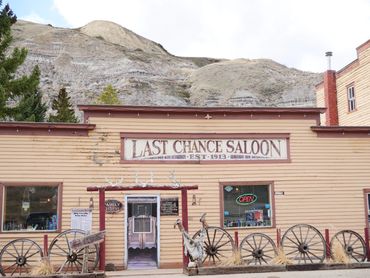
x,y
41,128
200,113
191,109
342,131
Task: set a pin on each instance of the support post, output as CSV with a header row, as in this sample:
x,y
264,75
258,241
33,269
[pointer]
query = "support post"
x,y
185,223
236,237
278,237
327,240
46,245
367,244
102,227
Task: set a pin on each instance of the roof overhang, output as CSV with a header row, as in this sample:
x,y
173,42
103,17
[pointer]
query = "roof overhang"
x,y
49,129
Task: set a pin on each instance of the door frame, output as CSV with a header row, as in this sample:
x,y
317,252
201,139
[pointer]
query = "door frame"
x,y
125,226
366,193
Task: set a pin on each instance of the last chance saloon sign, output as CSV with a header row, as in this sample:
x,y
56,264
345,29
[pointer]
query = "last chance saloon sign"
x,y
205,149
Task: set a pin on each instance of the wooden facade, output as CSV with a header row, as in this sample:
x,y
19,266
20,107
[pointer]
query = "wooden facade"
x,y
357,75
323,182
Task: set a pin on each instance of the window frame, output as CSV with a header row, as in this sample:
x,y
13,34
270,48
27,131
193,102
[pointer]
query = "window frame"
x,y
367,206
25,184
351,100
249,183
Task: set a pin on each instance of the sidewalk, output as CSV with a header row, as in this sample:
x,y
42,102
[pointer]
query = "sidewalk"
x,y
146,272
177,273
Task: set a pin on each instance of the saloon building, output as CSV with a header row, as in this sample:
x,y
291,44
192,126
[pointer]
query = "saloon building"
x,y
249,169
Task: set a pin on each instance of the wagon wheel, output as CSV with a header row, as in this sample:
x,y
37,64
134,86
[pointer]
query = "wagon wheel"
x,y
257,248
352,243
70,260
218,245
303,243
19,256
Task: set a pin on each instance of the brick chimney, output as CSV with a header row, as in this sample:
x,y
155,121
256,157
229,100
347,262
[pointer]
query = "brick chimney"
x,y
330,92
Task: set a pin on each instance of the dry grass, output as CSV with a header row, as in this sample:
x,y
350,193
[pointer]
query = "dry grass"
x,y
44,268
281,258
235,259
338,254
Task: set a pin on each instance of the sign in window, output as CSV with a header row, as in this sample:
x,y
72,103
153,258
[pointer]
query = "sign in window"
x,y
247,206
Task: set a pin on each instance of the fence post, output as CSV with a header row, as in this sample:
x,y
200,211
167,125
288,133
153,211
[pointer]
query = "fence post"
x,y
278,237
46,245
366,231
327,240
236,237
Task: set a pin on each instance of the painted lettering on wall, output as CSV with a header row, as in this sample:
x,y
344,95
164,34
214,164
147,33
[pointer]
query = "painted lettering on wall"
x,y
205,149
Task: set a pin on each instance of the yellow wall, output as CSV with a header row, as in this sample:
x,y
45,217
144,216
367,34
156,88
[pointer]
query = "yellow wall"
x,y
360,76
320,102
323,183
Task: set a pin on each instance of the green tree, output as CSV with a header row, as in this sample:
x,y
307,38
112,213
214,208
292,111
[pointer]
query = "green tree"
x,y
108,96
63,106
31,108
15,91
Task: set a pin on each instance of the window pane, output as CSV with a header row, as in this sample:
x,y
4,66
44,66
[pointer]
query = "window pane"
x,y
142,225
247,206
30,208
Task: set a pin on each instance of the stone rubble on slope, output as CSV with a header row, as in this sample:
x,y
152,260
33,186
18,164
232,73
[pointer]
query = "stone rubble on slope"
x,y
87,59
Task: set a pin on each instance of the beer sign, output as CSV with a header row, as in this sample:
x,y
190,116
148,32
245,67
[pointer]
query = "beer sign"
x,y
246,199
113,206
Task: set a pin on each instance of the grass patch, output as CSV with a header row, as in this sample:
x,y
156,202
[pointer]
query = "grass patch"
x,y
44,268
338,254
281,258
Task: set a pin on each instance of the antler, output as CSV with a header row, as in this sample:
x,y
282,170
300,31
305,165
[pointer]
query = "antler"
x,y
203,220
178,223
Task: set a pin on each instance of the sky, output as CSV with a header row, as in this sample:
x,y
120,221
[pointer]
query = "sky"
x,y
296,33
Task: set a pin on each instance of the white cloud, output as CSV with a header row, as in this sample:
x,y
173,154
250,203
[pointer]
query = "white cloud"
x,y
295,33
34,17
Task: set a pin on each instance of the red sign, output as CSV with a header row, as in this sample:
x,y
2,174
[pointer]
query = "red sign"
x,y
246,199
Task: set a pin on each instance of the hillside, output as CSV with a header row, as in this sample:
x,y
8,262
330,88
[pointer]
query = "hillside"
x,y
86,59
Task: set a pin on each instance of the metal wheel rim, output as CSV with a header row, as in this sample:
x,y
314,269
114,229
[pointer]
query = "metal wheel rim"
x,y
71,260
352,243
257,249
304,244
19,257
218,245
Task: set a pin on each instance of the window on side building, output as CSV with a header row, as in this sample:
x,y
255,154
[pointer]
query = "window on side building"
x,y
28,208
248,205
351,98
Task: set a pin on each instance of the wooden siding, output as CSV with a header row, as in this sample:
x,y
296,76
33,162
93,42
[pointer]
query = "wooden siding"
x,y
360,77
320,102
323,183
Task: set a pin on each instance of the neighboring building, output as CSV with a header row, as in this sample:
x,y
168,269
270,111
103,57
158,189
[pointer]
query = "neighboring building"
x,y
257,169
346,93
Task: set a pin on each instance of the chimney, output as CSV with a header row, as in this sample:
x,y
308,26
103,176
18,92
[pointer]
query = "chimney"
x,y
330,92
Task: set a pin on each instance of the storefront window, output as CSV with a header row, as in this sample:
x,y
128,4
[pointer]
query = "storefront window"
x,y
368,208
247,206
30,208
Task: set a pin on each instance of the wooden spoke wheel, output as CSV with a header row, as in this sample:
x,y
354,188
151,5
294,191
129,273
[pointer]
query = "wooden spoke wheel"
x,y
257,249
218,245
304,244
68,259
352,243
19,256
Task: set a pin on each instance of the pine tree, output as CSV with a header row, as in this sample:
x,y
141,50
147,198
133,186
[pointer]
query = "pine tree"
x,y
108,96
62,105
31,108
15,91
